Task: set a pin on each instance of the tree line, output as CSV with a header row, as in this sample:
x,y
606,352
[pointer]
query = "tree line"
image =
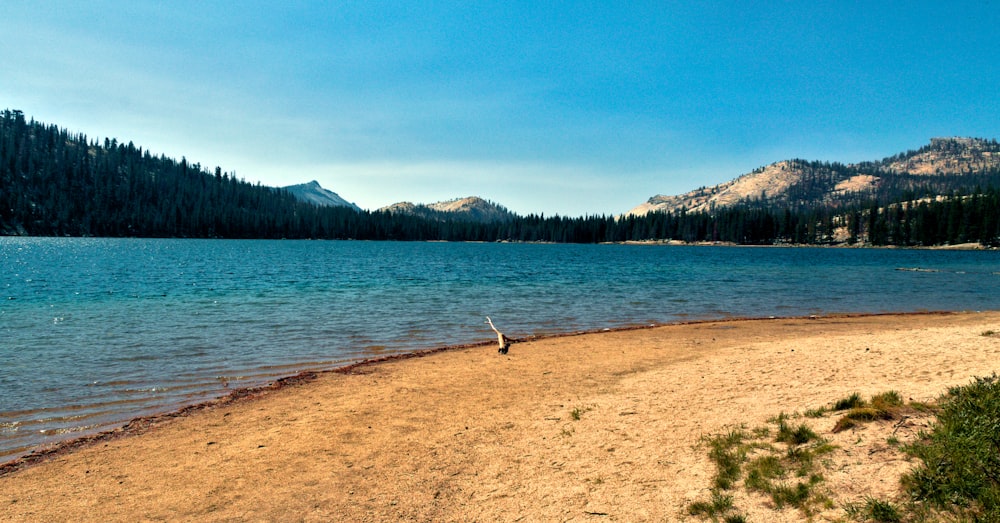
x,y
57,183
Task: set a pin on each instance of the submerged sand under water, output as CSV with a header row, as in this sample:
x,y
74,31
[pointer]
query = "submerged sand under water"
x,y
576,428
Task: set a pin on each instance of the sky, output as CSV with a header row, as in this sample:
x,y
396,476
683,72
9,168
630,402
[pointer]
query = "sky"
x,y
570,108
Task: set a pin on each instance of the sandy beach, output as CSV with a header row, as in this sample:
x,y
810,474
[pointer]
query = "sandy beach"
x,y
593,427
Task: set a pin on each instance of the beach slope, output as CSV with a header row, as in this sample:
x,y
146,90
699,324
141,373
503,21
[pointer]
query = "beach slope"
x,y
595,427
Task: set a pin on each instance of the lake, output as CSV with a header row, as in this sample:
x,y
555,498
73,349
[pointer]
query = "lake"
x,y
94,332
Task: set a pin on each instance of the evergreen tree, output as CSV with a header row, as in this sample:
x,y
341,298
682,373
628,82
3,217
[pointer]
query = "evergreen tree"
x,y
53,182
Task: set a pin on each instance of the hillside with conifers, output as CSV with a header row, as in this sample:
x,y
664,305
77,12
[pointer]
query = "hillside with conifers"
x,y
54,182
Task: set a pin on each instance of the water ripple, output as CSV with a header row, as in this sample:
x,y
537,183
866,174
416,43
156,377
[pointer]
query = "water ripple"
x,y
97,331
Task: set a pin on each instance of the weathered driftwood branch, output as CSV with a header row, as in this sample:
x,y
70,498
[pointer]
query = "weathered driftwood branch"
x,y
503,340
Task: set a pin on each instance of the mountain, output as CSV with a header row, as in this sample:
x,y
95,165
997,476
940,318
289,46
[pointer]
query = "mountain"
x,y
948,156
313,193
946,164
57,183
471,208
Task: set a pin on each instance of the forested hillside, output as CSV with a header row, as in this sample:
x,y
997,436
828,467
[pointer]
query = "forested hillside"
x,y
944,166
472,208
57,183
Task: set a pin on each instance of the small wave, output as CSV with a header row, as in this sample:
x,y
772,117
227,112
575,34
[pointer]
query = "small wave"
x,y
199,340
74,429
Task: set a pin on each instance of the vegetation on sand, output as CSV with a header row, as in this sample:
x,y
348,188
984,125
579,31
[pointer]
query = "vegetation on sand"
x,y
959,471
779,464
956,476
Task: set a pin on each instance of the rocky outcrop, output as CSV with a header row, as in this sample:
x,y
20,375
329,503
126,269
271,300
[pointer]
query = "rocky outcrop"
x,y
802,182
471,208
313,193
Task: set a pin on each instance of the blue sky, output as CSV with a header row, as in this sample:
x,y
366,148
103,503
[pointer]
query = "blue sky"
x,y
570,108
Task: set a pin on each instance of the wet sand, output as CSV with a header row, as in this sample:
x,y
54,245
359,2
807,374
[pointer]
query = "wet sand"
x,y
594,427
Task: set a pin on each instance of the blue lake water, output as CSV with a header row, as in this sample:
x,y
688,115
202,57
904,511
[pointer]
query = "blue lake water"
x,y
94,332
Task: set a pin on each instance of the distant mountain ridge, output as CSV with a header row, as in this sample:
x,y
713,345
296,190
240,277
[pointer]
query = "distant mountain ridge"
x,y
803,183
57,183
470,208
313,193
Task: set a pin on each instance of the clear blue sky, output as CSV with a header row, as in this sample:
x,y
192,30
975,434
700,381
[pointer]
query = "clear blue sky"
x,y
557,107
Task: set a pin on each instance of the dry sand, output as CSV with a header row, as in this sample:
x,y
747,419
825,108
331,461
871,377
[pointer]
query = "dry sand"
x,y
469,435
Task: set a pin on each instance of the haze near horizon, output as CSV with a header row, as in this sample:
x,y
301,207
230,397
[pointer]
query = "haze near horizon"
x,y
578,109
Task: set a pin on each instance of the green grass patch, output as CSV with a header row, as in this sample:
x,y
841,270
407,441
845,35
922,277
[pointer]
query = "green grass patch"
x,y
796,495
797,436
850,402
887,400
960,457
578,412
882,511
957,477
728,452
884,406
719,505
922,407
762,471
815,413
876,510
778,464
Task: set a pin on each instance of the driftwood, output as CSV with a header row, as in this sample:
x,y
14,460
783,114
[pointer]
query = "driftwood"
x,y
503,340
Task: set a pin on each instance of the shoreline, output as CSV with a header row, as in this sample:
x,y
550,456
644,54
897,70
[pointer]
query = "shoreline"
x,y
573,426
971,246
968,246
141,424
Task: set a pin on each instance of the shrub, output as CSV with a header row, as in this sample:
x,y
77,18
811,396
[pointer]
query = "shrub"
x,y
960,469
882,511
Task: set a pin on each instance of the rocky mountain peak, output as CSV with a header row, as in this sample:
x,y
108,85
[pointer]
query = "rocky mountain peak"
x,y
954,155
315,194
800,181
471,208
